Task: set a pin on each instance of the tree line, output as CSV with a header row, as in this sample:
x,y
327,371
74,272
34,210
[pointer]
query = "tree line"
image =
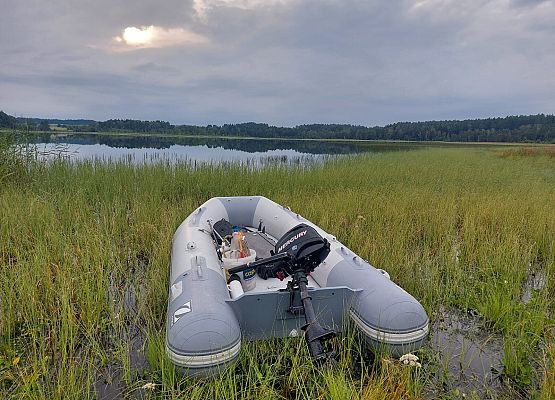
x,y
521,128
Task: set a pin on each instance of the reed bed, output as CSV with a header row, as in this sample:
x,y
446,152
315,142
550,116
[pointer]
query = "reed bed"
x,y
84,254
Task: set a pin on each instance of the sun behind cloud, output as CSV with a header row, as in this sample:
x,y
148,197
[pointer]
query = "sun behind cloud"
x,y
155,37
136,36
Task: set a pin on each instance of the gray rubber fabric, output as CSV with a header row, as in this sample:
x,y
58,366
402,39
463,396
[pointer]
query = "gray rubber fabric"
x,y
387,314
202,330
240,209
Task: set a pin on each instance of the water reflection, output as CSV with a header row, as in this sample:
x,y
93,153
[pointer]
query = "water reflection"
x,y
149,149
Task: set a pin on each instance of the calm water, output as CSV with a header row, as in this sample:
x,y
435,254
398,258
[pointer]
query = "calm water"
x,y
142,149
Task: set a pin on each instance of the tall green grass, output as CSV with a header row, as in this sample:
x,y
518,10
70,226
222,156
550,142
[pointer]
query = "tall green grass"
x,y
16,156
84,253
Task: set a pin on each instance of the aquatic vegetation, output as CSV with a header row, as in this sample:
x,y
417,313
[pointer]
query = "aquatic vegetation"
x,y
538,151
84,253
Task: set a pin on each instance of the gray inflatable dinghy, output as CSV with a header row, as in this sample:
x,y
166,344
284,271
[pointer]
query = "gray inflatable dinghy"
x,y
313,283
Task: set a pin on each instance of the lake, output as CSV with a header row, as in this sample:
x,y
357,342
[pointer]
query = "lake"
x,y
137,149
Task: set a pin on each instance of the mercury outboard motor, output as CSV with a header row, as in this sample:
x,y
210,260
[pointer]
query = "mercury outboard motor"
x,y
306,248
298,253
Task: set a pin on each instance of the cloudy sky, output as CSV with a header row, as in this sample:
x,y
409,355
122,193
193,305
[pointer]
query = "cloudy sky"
x,y
284,62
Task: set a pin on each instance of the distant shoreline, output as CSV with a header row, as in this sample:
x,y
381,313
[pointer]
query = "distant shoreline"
x,y
287,139
61,134
538,128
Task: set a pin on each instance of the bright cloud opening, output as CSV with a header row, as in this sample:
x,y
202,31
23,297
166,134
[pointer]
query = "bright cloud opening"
x,y
137,37
156,37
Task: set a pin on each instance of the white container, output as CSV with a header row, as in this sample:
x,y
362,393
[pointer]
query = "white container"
x,y
235,289
247,276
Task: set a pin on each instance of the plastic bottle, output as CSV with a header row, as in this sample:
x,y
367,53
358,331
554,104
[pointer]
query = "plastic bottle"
x,y
235,251
243,246
240,250
248,279
235,286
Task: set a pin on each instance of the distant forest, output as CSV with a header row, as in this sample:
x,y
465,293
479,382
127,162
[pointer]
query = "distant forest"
x,y
522,128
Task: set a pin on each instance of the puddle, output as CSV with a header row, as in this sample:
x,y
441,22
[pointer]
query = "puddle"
x,y
109,385
111,380
536,280
466,359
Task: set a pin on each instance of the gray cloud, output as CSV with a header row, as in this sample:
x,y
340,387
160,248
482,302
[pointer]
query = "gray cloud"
x,y
283,62
531,3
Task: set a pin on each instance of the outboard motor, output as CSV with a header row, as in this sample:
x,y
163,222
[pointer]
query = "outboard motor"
x,y
301,248
306,248
298,253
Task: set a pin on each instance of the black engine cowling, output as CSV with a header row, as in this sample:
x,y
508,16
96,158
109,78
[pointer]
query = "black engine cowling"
x,y
305,246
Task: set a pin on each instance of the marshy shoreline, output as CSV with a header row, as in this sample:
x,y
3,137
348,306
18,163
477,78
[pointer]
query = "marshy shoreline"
x,y
84,254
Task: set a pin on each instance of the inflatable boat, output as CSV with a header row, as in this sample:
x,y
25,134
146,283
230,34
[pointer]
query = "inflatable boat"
x,y
247,268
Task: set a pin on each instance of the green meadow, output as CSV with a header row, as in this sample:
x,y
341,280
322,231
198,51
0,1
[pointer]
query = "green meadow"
x,y
84,255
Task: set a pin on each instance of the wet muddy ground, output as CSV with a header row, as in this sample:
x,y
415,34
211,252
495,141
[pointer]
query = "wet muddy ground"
x,y
111,382
536,281
465,359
